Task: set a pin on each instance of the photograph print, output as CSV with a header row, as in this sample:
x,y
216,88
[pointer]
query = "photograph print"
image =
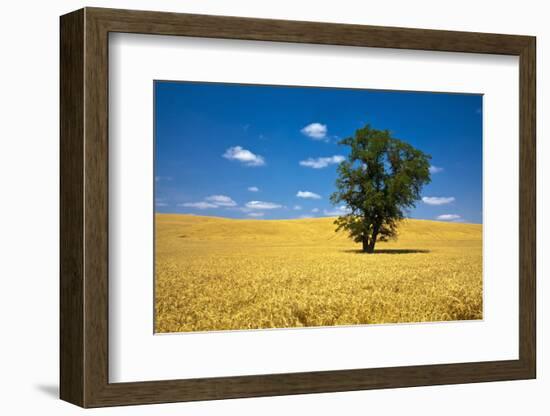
x,y
292,206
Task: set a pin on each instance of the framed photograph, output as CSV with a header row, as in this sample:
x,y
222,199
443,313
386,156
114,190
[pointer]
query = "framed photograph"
x,y
254,207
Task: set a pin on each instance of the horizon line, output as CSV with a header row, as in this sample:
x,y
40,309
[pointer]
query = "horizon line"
x,y
306,218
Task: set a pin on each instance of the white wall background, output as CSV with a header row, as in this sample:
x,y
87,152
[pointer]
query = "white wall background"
x,y
29,159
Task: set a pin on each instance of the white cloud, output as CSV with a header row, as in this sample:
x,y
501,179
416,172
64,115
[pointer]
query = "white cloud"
x,y
297,207
322,162
435,169
212,201
316,131
244,156
341,210
221,201
448,217
262,205
315,210
253,188
255,214
308,194
438,200
305,217
198,205
161,204
163,178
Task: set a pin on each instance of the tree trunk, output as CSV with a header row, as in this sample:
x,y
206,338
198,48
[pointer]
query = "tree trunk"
x,y
365,244
372,242
370,247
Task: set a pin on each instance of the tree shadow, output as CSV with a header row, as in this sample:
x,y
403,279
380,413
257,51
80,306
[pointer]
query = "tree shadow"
x,y
389,251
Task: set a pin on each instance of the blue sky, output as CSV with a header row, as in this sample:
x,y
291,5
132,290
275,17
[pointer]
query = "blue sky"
x,y
270,152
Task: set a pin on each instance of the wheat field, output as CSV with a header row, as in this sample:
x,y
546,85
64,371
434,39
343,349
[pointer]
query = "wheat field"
x,y
228,274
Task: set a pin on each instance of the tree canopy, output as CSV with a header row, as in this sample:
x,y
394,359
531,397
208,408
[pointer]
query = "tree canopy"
x,y
378,182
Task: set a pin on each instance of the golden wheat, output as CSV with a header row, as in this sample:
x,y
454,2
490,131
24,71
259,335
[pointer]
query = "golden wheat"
x,y
224,274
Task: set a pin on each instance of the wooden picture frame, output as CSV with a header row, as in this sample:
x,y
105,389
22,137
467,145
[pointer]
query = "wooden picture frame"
x,y
84,207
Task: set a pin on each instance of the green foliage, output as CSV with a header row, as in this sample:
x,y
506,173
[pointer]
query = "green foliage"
x,y
381,178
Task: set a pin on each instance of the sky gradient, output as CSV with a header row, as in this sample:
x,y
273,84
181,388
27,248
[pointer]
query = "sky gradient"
x,y
270,152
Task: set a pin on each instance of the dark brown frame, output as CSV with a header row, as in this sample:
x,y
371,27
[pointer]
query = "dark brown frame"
x,y
84,207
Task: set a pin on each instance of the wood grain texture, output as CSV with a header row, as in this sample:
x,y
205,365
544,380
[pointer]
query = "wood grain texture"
x,y
96,208
84,207
527,208
71,208
225,27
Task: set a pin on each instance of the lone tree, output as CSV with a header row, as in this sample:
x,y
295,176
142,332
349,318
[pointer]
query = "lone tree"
x,y
381,178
